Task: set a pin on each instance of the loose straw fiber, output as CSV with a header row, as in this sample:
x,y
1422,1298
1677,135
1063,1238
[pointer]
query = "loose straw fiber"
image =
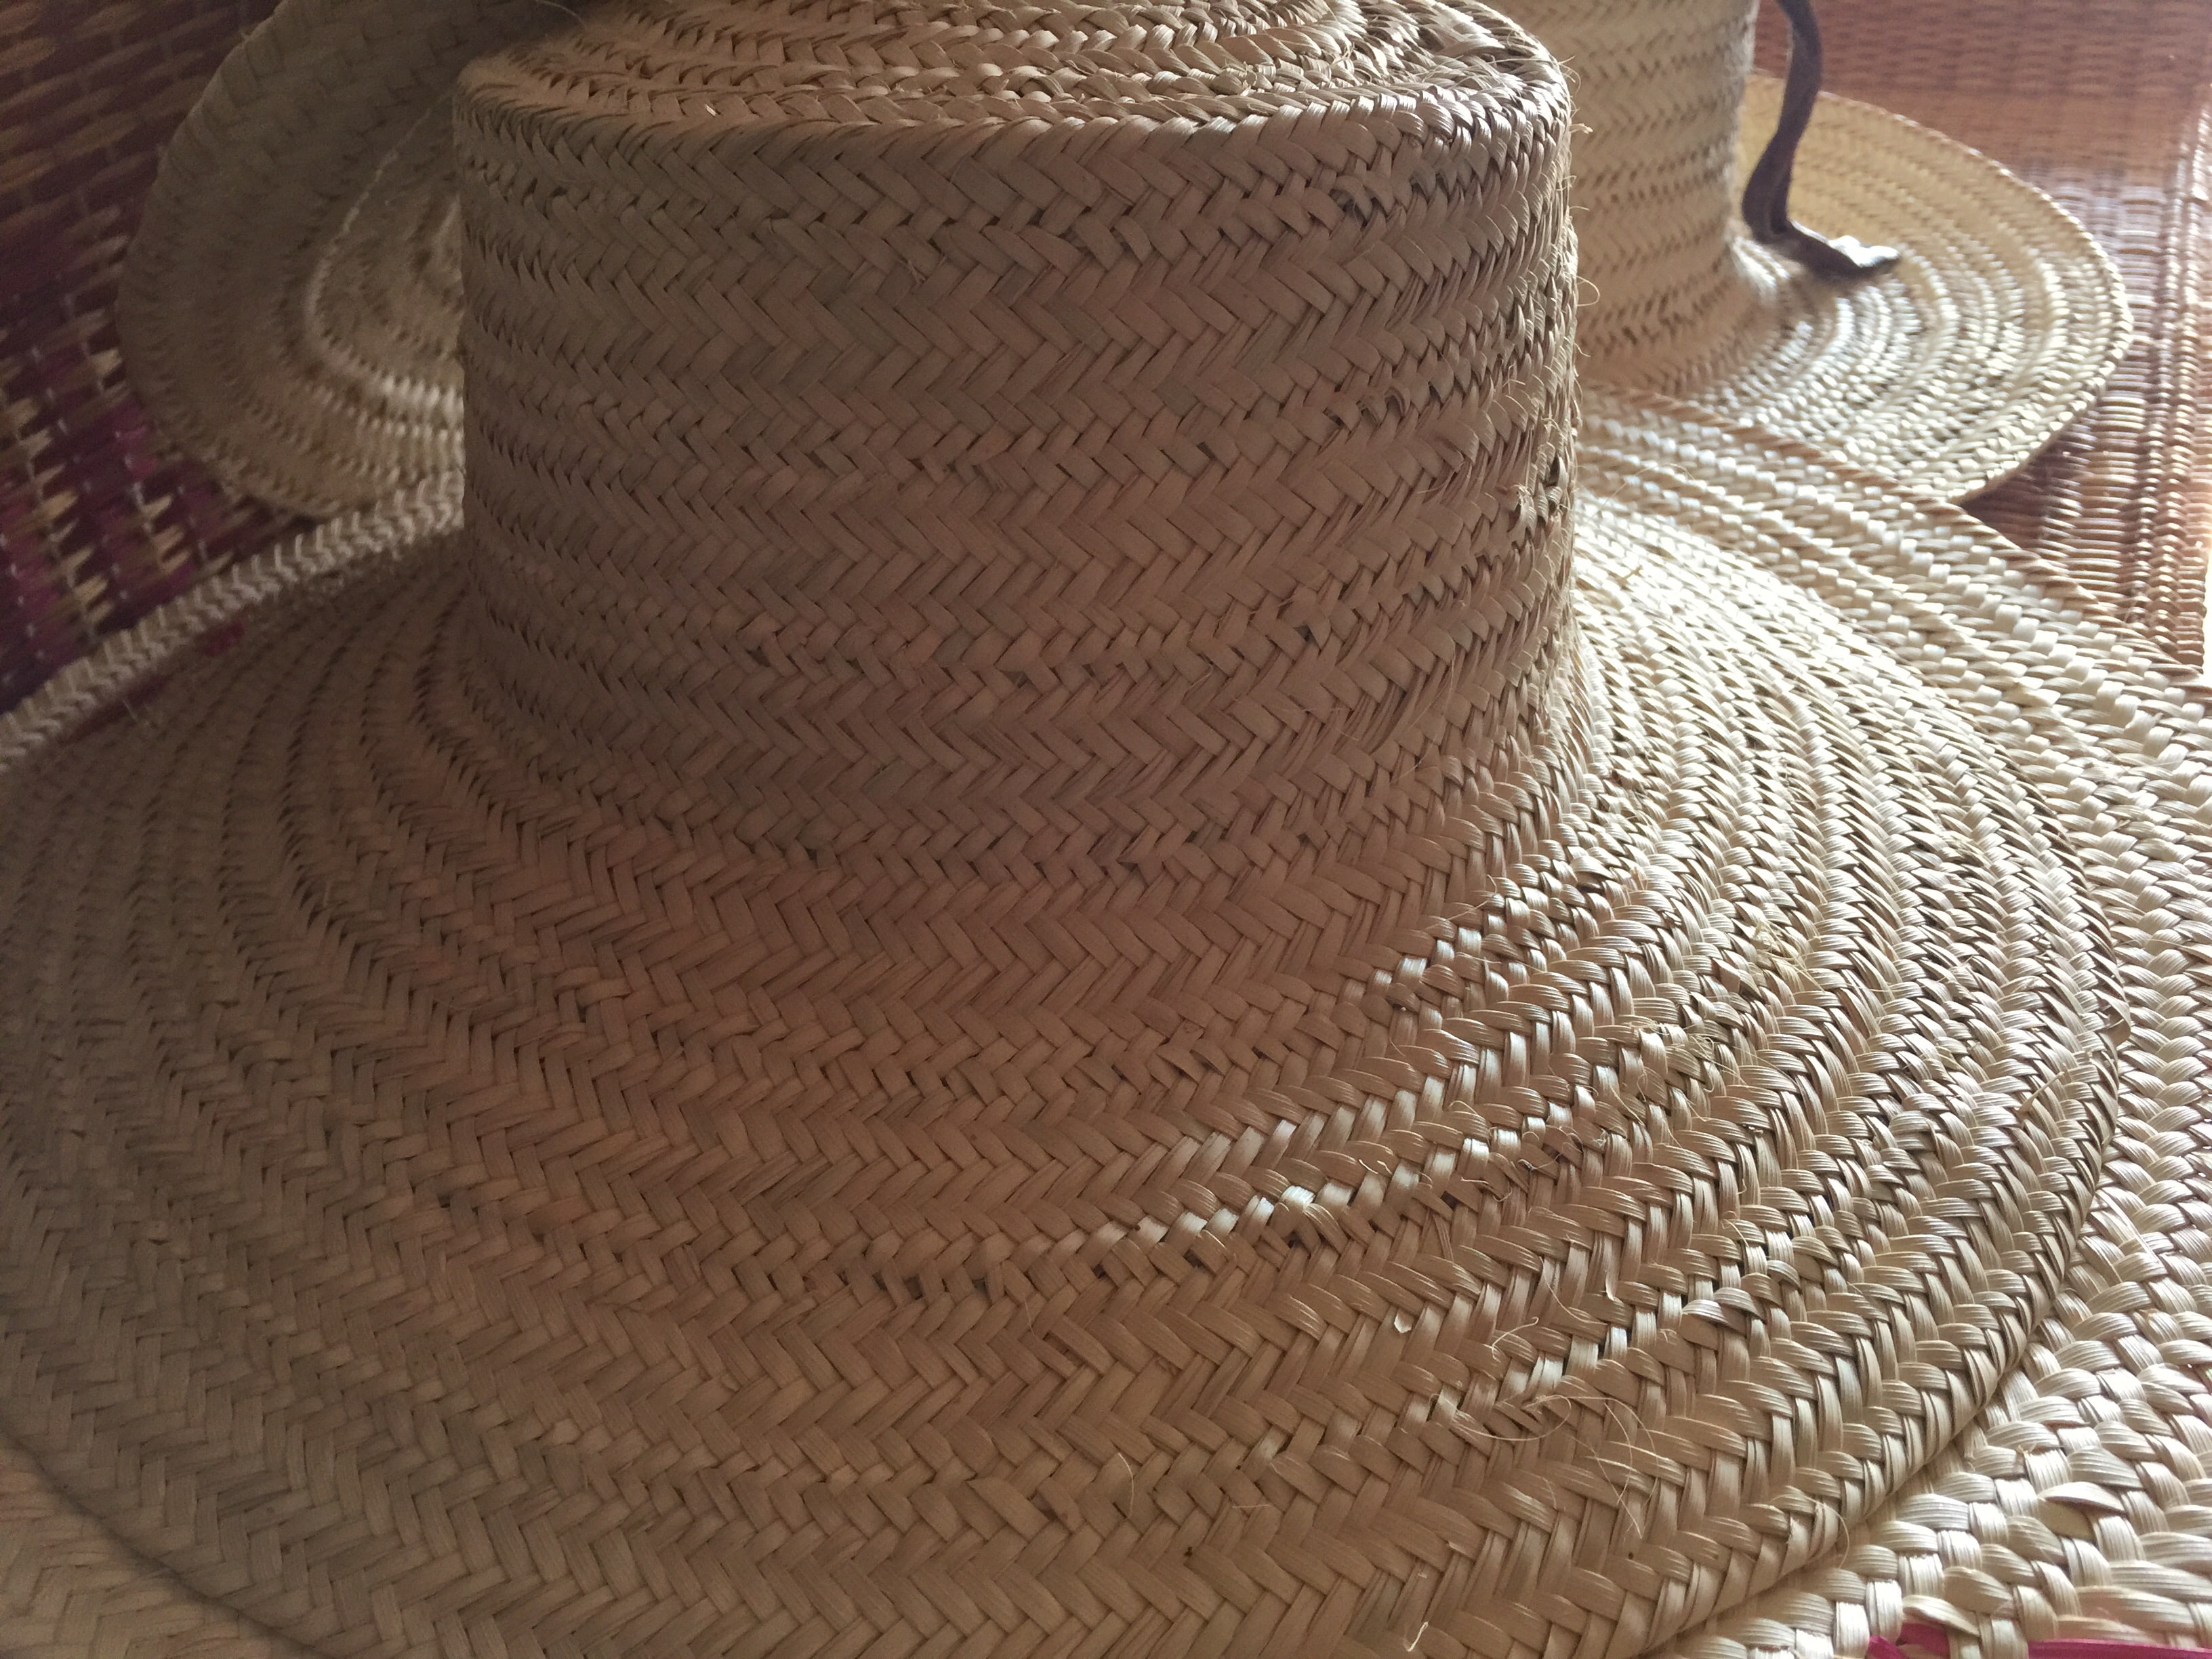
x,y
2108,107
1025,951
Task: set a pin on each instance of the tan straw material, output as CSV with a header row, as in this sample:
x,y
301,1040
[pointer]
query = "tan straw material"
x,y
573,1214
1023,953
101,519
314,363
1948,372
2109,108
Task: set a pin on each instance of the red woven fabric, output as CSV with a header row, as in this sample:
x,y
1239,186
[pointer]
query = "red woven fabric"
x,y
100,519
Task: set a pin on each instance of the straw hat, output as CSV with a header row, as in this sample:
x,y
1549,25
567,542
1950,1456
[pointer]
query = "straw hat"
x,y
312,184
291,304
1022,946
1949,368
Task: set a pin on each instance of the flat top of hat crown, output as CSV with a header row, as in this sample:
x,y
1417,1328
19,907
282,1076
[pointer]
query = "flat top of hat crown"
x,y
895,63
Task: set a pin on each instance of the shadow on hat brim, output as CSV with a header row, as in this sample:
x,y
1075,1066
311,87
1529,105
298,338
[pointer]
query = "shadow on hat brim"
x,y
1691,526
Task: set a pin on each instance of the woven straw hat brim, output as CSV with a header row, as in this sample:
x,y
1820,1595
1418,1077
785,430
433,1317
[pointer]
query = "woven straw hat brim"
x,y
320,149
290,304
1949,372
379,1362
2075,1504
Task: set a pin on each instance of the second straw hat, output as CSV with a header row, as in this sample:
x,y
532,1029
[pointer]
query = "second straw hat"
x,y
1025,946
290,304
1997,323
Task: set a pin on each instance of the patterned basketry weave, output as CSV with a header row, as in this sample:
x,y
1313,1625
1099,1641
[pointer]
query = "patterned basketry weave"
x,y
100,519
1946,369
1131,996
2109,108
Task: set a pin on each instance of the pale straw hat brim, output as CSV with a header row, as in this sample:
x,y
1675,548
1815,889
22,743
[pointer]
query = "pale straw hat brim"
x,y
1714,561
311,185
290,304
1949,372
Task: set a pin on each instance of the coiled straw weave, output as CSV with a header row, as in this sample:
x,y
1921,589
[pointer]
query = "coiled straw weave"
x,y
353,386
1947,372
2110,1489
2109,108
101,519
2075,1505
1022,954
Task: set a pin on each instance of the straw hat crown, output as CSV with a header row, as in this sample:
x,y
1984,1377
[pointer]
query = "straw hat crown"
x,y
290,304
1659,89
1074,494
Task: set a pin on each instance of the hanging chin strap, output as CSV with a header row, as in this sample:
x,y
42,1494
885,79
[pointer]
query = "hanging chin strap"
x,y
1766,193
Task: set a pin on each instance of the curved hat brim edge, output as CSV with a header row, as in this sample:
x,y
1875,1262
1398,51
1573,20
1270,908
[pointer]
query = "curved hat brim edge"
x,y
2104,689
1838,171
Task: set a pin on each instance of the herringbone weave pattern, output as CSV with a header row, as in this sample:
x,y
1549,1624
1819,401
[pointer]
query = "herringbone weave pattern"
x,y
1008,961
2109,108
1947,372
290,323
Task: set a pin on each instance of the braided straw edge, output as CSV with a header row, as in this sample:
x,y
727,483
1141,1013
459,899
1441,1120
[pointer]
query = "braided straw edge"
x,y
67,1586
2109,332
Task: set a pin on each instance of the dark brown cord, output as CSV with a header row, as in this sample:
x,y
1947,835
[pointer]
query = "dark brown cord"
x,y
1767,194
